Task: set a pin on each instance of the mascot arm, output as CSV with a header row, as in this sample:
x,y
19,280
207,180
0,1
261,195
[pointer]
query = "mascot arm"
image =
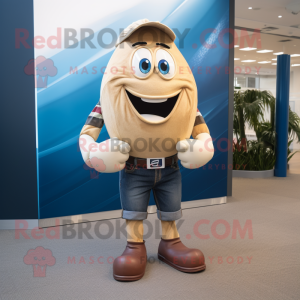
x,y
106,157
94,123
199,126
90,130
196,153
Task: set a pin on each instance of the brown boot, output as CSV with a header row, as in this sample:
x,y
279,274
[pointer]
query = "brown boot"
x,y
131,264
181,258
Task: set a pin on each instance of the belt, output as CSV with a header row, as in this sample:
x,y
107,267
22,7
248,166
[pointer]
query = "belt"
x,y
141,162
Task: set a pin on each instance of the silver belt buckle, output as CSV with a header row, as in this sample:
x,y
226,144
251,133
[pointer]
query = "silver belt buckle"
x,y
155,163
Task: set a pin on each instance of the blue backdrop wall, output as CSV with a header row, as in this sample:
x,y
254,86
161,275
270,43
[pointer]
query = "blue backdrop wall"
x,y
65,186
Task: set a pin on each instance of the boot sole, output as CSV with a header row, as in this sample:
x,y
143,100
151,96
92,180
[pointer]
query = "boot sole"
x,y
182,269
128,278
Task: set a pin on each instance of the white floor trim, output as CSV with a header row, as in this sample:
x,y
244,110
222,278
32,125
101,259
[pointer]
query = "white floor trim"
x,y
19,224
104,215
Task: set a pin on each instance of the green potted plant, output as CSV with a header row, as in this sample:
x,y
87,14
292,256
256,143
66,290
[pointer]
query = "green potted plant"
x,y
258,155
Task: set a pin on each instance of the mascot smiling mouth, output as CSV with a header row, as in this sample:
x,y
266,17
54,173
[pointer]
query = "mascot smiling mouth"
x,y
153,109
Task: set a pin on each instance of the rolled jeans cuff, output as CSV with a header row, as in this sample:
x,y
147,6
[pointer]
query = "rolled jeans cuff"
x,y
169,216
134,215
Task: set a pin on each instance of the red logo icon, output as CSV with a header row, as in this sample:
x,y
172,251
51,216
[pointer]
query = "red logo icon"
x,y
39,258
41,68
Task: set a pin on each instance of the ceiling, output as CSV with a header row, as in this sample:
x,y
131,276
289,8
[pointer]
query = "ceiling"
x,y
281,38
267,11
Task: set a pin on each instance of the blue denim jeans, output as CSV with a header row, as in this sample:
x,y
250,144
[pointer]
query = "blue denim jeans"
x,y
136,184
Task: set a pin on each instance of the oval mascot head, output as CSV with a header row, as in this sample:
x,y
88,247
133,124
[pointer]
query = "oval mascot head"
x,y
148,92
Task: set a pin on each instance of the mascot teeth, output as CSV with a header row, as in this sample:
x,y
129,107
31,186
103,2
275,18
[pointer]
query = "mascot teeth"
x,y
154,100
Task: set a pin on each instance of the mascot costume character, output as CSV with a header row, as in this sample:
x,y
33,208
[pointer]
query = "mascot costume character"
x,y
148,102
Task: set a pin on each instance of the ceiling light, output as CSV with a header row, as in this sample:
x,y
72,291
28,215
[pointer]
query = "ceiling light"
x,y
264,51
295,55
279,16
278,53
236,46
295,65
274,58
274,64
248,49
236,58
250,7
248,60
264,62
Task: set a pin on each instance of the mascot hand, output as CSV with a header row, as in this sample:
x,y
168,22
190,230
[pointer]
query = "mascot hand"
x,y
197,152
106,157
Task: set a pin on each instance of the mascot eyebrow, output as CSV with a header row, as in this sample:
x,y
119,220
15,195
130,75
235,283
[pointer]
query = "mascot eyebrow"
x,y
164,45
139,43
145,43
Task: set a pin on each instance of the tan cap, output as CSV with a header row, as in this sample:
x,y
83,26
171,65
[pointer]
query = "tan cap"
x,y
142,23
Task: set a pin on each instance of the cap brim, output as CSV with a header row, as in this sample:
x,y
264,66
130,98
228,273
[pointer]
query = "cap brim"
x,y
158,25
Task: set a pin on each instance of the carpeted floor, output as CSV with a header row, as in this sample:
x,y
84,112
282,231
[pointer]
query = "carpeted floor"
x,y
265,266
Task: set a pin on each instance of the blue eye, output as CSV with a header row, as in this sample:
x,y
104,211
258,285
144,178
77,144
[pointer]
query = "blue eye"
x,y
145,65
163,66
